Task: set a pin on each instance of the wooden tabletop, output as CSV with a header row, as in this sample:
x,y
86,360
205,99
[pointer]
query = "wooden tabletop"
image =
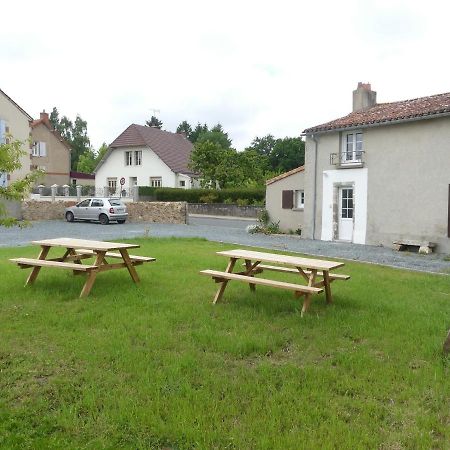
x,y
295,261
84,243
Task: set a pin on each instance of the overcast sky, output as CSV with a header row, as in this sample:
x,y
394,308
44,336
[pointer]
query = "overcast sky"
x,y
257,67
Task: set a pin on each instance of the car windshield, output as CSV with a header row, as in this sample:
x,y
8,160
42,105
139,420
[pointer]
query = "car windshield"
x,y
113,202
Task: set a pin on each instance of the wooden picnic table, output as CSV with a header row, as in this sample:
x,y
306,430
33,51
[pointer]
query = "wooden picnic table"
x,y
78,249
315,272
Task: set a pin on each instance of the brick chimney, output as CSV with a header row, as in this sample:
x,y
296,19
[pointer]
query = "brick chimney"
x,y
364,97
44,118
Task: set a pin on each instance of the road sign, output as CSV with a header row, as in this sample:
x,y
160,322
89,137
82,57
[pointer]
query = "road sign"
x,y
122,181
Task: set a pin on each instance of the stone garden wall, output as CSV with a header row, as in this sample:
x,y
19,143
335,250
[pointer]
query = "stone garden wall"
x,y
156,212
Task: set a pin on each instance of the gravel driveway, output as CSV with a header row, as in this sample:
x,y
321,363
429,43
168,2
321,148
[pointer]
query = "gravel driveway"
x,y
224,230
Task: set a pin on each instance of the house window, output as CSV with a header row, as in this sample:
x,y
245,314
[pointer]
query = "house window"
x,y
182,183
352,148
39,149
155,181
112,185
128,158
138,157
299,199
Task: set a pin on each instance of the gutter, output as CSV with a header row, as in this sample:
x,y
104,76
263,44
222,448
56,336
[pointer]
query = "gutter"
x,y
316,142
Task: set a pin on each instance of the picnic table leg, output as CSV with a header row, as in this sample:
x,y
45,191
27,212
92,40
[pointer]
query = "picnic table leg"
x,y
92,275
326,281
224,283
35,272
129,264
249,267
308,297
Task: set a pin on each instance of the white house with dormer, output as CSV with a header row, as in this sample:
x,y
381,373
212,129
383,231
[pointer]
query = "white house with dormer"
x,y
146,156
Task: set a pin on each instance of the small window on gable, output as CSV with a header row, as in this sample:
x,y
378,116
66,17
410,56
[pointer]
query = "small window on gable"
x,y
39,149
182,183
299,199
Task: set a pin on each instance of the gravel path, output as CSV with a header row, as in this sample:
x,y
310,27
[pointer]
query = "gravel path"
x,y
225,230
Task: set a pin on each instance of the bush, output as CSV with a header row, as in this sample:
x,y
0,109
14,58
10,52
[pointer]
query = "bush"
x,y
251,195
210,197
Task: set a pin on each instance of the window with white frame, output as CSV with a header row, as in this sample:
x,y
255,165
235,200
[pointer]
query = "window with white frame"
x,y
299,199
352,147
155,181
112,185
39,149
138,157
182,183
128,158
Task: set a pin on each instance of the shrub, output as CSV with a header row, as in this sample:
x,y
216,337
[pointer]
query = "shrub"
x,y
242,202
211,197
251,195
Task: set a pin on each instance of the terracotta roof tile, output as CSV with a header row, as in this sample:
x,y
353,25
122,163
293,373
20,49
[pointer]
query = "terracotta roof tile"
x,y
414,109
285,175
174,149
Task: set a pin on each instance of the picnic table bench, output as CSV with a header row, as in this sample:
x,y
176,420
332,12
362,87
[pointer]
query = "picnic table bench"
x,y
315,272
78,250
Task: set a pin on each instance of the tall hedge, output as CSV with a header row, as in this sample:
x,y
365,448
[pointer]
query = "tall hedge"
x,y
252,195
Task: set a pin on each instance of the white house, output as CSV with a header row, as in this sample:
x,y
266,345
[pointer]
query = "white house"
x,y
146,156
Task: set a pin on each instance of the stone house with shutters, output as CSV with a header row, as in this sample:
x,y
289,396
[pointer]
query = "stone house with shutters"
x,y
49,152
378,175
146,156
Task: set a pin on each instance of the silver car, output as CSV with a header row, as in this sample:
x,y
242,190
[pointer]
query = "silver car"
x,y
100,208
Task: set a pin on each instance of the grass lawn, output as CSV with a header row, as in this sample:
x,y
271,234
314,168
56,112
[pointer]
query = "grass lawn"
x,y
156,365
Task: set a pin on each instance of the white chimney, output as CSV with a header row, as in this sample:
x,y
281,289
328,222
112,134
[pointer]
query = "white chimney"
x,y
363,97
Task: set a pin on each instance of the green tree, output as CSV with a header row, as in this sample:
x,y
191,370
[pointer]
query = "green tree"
x,y
10,155
197,132
185,128
210,159
80,141
216,135
86,162
154,122
89,159
101,152
74,133
287,154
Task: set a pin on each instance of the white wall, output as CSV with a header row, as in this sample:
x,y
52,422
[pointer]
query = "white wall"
x,y
152,166
356,177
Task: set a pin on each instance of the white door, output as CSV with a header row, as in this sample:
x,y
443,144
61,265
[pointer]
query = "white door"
x,y
346,214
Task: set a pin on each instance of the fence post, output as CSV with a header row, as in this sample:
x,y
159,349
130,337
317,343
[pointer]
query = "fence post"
x,y
66,190
54,188
41,189
78,193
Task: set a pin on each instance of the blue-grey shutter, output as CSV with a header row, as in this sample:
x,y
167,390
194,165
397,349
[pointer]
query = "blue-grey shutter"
x,y
2,131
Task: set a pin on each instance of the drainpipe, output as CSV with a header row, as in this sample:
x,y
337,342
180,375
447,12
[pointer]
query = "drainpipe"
x,y
316,145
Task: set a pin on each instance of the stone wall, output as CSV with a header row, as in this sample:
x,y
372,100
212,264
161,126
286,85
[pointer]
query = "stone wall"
x,y
223,209
156,212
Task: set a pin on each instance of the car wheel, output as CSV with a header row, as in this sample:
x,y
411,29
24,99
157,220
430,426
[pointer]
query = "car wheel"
x,y
121,221
69,216
103,219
